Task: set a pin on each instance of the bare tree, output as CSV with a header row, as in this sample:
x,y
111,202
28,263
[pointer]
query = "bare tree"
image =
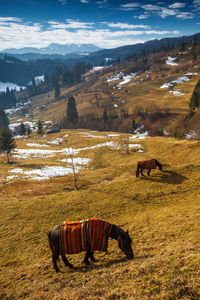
x,y
70,153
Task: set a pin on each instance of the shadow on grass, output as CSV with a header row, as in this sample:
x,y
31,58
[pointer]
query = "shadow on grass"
x,y
93,266
169,177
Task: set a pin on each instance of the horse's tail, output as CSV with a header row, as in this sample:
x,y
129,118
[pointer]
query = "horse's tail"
x,y
52,244
50,241
137,170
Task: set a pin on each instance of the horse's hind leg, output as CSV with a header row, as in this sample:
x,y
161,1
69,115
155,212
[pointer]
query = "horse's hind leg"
x,y
148,173
66,262
55,258
142,173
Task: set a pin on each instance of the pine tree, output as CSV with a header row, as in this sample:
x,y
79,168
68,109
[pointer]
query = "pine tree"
x,y
195,99
3,119
34,86
7,142
28,130
57,89
105,116
39,127
22,129
72,114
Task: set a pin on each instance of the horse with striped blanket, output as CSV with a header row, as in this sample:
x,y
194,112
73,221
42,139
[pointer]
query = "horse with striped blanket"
x,y
86,235
147,165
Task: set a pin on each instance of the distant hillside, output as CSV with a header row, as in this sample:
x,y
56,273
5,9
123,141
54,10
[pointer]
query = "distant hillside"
x,y
36,56
20,72
149,46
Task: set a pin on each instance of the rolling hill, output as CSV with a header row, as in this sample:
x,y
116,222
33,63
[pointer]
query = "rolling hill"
x,y
151,92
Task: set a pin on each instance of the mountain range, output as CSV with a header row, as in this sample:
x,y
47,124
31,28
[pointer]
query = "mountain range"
x,y
55,48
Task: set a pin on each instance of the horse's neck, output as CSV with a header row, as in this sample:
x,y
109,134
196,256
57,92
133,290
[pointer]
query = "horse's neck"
x,y
115,232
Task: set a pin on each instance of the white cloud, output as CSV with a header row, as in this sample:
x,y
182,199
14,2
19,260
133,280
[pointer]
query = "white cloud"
x,y
8,19
70,24
84,1
142,17
63,2
15,34
151,7
166,12
129,6
177,5
127,26
185,15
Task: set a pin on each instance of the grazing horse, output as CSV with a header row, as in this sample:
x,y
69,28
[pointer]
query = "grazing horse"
x,y
86,235
147,165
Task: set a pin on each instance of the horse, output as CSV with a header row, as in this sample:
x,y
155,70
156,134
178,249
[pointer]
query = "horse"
x,y
86,235
147,165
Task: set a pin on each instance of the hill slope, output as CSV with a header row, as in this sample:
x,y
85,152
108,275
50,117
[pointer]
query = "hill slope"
x,y
161,213
153,91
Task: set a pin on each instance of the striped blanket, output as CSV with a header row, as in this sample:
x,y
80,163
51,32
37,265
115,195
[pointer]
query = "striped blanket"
x,y
85,235
148,164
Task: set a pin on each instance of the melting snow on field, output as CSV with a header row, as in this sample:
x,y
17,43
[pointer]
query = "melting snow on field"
x,y
120,75
89,135
138,135
37,145
179,80
57,141
170,61
126,79
76,161
39,153
176,93
43,173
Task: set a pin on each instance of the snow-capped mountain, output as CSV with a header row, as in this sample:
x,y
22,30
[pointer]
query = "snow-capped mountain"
x,y
55,48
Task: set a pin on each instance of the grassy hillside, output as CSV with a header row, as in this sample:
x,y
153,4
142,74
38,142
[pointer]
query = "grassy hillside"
x,y
141,98
161,213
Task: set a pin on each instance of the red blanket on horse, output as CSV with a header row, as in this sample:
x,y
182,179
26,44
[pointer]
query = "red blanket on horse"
x,y
148,164
86,235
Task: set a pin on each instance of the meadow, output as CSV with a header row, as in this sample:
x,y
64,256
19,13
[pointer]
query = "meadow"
x,y
161,212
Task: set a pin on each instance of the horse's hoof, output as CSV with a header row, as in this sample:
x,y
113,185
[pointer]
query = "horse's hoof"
x,y
71,266
57,271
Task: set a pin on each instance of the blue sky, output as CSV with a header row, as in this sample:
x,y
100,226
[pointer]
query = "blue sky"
x,y
105,23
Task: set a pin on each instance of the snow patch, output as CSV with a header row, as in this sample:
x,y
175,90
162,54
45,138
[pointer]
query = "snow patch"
x,y
179,80
170,61
44,173
37,145
57,141
10,85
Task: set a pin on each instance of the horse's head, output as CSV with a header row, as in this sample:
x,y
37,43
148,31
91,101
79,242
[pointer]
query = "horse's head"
x,y
125,242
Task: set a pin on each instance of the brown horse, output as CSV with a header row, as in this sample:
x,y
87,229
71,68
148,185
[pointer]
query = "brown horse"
x,y
147,165
87,235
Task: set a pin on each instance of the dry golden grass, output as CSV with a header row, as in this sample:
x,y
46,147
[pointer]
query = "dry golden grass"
x,y
161,212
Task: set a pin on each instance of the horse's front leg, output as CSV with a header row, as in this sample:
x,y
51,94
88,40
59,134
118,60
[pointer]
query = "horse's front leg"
x,y
92,256
66,262
87,255
148,173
